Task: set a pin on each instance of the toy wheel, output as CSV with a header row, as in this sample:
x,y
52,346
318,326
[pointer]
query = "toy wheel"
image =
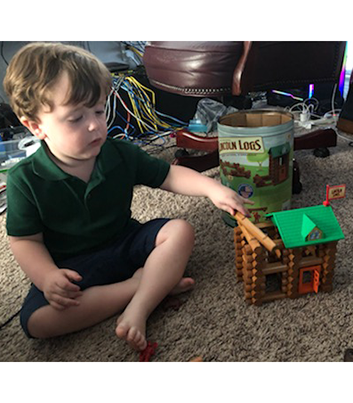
x,y
321,152
297,188
181,153
296,184
348,355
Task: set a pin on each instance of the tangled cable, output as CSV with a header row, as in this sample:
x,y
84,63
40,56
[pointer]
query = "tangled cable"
x,y
152,125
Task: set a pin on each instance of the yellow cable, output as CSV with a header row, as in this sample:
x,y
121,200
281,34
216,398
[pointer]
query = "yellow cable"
x,y
147,107
144,105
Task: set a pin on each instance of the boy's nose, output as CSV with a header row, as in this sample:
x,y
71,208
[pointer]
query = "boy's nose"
x,y
93,124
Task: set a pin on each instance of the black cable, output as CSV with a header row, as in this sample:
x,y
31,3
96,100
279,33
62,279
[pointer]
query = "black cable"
x,y
10,319
2,52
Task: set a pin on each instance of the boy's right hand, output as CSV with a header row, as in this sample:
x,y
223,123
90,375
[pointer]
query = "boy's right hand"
x,y
59,290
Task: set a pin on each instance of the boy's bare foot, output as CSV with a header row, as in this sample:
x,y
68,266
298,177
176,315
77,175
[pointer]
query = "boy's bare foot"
x,y
132,327
185,284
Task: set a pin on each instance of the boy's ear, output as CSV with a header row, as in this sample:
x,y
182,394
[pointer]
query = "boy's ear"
x,y
34,127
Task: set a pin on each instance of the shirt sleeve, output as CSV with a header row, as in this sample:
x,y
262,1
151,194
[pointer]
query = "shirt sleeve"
x,y
144,168
22,216
151,171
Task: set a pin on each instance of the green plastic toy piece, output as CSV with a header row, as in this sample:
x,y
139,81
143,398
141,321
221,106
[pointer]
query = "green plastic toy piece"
x,y
307,226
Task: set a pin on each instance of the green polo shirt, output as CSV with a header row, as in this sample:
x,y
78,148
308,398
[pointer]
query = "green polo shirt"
x,y
75,216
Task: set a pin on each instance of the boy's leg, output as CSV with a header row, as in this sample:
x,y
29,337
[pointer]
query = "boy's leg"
x,y
162,272
99,302
96,304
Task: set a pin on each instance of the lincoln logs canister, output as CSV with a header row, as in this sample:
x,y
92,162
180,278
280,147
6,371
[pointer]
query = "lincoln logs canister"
x,y
256,159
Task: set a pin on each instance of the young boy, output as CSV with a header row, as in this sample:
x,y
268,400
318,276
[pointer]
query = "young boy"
x,y
69,220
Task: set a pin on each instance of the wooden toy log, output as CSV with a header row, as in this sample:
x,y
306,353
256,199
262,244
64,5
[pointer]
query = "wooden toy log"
x,y
249,287
238,255
295,256
279,243
328,266
264,239
273,296
273,268
284,282
252,241
266,224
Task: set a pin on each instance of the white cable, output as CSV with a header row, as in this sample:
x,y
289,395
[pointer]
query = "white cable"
x,y
343,135
107,108
115,87
304,112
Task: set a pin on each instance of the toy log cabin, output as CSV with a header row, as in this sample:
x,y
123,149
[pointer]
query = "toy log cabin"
x,y
290,255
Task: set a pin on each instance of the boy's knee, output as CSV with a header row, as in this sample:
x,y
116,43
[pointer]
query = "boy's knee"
x,y
185,230
177,229
189,230
37,328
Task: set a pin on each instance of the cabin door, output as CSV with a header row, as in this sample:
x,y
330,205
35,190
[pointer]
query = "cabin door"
x,y
309,279
282,168
316,280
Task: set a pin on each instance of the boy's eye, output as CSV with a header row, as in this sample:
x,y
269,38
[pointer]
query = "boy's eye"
x,y
74,120
100,112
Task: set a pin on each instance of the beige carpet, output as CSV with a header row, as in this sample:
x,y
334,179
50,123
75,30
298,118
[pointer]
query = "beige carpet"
x,y
213,321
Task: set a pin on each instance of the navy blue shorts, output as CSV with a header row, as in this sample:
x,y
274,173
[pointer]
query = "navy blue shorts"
x,y
113,264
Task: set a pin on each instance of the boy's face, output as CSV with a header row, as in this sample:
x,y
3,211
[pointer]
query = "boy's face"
x,y
73,133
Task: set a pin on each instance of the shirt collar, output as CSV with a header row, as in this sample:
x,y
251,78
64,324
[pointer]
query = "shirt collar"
x,y
110,158
46,168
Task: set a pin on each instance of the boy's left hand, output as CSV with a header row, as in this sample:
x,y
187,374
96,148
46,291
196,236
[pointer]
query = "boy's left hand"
x,y
228,200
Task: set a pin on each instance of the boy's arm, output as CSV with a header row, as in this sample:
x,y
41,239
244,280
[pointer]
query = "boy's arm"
x,y
186,181
35,260
33,257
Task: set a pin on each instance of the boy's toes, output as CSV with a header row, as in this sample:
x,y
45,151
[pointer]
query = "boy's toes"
x,y
136,339
121,331
184,285
142,344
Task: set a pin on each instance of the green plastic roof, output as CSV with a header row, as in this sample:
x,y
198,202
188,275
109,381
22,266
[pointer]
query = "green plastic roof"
x,y
280,150
293,224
